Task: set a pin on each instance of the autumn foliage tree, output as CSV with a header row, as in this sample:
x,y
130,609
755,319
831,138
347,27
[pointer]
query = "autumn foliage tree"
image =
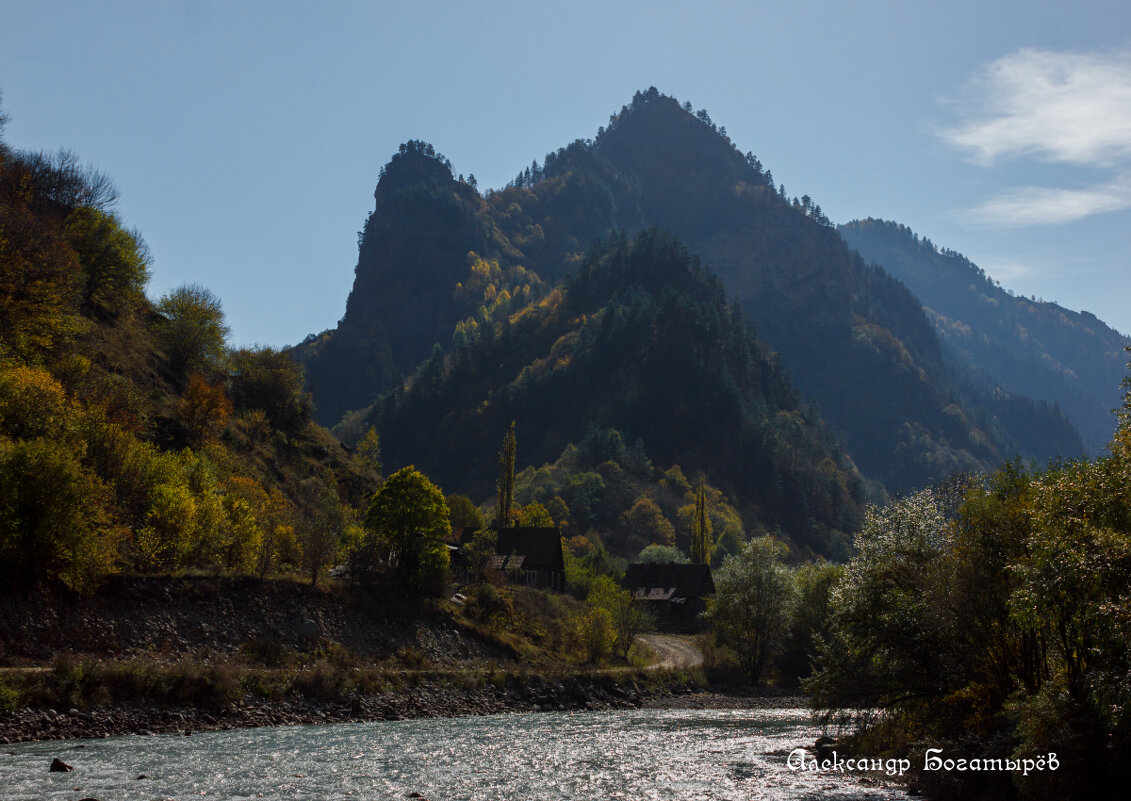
x,y
626,617
406,526
114,263
753,604
269,380
321,525
53,518
464,513
203,409
701,529
192,330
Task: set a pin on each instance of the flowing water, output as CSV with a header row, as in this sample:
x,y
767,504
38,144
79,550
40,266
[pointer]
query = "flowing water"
x,y
683,755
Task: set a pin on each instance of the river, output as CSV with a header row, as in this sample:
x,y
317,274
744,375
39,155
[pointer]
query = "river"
x,y
684,755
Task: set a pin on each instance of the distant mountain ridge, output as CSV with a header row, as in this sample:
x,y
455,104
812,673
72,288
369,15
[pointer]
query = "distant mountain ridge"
x,y
1021,345
855,340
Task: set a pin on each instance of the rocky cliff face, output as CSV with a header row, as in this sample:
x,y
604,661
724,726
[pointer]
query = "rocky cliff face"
x,y
412,254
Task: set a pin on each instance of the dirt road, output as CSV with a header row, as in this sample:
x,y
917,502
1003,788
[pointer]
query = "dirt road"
x,y
672,650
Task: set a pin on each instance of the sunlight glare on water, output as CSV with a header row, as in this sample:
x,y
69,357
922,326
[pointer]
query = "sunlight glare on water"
x,y
689,755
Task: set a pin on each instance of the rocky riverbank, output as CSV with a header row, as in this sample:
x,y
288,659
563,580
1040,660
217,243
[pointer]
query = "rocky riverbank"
x,y
525,694
177,655
174,618
682,697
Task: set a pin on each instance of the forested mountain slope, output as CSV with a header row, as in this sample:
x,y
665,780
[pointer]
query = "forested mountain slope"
x,y
1020,344
856,341
131,437
638,338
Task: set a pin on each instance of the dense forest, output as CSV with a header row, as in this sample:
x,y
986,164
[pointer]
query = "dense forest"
x,y
131,436
639,338
1018,344
858,345
990,618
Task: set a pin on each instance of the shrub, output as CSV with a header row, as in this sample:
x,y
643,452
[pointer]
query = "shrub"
x,y
593,634
10,695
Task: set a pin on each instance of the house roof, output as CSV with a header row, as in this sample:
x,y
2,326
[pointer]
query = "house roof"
x,y
542,546
501,564
668,582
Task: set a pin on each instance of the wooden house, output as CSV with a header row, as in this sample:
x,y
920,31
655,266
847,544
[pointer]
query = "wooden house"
x,y
533,554
676,593
530,555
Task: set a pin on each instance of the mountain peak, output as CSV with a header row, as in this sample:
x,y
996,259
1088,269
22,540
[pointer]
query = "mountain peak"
x,y
656,135
656,107
661,113
415,162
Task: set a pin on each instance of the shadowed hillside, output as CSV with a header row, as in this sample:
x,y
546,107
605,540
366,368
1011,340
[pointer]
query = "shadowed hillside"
x,y
856,342
639,338
1019,344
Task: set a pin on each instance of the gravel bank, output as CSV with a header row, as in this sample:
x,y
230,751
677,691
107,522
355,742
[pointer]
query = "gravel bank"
x,y
427,701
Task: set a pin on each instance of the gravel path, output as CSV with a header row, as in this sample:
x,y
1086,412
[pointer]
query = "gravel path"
x,y
672,651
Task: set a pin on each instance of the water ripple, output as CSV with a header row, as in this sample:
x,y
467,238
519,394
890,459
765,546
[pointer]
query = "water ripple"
x,y
684,755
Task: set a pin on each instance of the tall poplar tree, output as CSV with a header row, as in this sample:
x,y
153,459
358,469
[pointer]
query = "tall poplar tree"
x,y
505,501
700,530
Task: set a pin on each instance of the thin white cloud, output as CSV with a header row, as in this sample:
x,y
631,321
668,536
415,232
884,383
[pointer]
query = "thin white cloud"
x,y
1035,205
1007,269
1060,107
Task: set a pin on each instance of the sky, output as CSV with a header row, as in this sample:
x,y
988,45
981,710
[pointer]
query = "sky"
x,y
247,137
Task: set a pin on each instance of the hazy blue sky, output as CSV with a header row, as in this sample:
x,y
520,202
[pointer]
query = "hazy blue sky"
x,y
247,137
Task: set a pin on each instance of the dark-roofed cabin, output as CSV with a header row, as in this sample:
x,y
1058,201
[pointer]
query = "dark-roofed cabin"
x,y
534,554
675,593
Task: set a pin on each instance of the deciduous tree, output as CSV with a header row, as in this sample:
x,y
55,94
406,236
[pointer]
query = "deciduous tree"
x,y
626,617
464,513
406,528
192,330
750,613
114,261
505,502
662,554
53,519
203,409
271,381
321,525
701,544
